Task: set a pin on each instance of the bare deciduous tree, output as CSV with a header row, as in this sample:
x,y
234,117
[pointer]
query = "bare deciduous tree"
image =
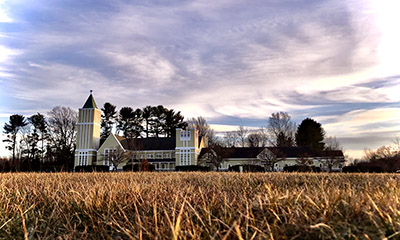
x,y
332,157
241,134
264,136
281,129
200,123
62,125
254,140
215,156
116,157
271,156
230,139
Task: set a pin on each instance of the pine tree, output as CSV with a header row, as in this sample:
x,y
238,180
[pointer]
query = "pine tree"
x,y
12,128
310,134
109,114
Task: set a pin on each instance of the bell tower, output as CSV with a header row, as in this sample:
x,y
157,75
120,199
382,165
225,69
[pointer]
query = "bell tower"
x,y
88,133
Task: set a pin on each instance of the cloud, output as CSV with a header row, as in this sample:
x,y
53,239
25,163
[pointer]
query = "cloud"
x,y
230,61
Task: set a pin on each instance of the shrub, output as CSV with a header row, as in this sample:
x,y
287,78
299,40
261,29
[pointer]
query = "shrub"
x,y
138,167
247,168
192,168
368,169
92,168
301,168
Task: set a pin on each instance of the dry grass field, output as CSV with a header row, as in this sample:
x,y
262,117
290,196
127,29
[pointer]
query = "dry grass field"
x,y
199,206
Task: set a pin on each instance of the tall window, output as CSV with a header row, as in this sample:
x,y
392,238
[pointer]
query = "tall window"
x,y
185,135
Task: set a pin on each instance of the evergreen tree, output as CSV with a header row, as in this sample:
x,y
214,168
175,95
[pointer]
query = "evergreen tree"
x,y
310,134
147,114
39,134
130,122
109,114
173,120
157,123
11,129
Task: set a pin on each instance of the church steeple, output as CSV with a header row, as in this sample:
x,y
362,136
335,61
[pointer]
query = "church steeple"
x,y
88,135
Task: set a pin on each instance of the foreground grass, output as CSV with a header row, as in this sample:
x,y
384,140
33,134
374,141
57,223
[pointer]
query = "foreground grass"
x,y
199,206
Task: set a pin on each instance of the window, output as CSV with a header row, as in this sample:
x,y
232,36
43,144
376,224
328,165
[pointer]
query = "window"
x,y
150,156
141,156
158,155
185,135
167,155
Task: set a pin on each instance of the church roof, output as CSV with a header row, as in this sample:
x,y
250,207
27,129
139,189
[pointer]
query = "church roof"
x,y
90,103
238,152
146,144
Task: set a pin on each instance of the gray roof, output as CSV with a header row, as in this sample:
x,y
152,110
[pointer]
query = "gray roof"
x,y
151,143
90,103
283,152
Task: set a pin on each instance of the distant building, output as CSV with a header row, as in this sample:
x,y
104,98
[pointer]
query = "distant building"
x,y
184,149
284,157
165,152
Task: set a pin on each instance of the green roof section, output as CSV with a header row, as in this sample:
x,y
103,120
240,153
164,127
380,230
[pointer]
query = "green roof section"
x,y
90,103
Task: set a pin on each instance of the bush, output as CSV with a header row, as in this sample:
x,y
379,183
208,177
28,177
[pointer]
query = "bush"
x,y
247,168
367,169
300,168
138,167
92,168
192,168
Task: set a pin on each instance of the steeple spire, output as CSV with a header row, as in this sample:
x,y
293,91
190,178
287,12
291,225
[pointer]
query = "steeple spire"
x,y
90,103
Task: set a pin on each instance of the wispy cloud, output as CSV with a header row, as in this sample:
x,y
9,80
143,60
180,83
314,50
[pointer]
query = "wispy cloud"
x,y
229,61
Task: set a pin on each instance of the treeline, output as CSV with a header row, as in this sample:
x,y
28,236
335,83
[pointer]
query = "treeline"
x,y
280,131
38,143
47,143
384,159
150,121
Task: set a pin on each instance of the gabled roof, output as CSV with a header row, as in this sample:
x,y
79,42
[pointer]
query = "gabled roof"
x,y
283,152
238,152
90,103
294,152
152,143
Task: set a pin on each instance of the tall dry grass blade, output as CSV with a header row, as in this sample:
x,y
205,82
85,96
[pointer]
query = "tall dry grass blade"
x,y
155,217
229,231
320,225
237,229
178,220
392,236
23,223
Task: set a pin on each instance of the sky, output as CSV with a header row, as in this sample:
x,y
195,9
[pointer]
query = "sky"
x,y
233,62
